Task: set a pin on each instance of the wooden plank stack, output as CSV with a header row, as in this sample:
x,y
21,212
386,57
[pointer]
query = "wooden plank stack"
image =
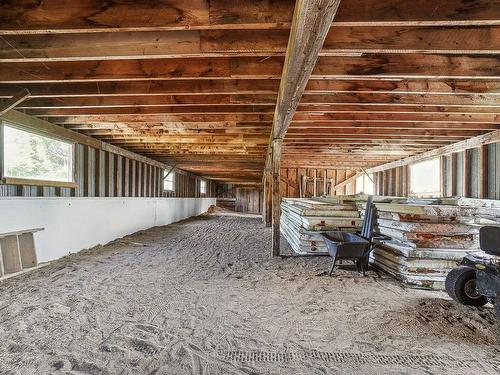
x,y
429,238
303,221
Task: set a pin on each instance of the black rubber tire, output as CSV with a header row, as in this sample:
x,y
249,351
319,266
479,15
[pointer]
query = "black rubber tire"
x,y
455,286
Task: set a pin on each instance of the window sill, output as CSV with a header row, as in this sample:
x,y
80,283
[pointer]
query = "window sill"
x,y
26,181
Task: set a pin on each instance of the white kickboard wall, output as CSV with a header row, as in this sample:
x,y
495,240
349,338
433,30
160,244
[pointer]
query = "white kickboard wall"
x,y
74,224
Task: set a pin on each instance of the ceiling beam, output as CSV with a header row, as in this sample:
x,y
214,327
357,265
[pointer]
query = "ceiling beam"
x,y
373,65
247,100
478,141
52,16
450,87
196,43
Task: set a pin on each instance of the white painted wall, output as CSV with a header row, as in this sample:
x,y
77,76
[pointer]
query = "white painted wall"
x,y
73,224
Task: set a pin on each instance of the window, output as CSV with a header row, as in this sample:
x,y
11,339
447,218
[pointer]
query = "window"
x,y
425,178
168,181
364,184
35,157
203,187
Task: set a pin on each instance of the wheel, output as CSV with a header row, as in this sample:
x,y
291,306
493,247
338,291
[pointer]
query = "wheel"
x,y
461,286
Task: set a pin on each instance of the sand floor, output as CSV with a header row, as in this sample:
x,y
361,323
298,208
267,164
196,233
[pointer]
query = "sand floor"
x,y
204,297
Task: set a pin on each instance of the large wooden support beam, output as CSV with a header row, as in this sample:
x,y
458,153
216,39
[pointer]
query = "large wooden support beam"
x,y
310,25
276,201
474,142
8,104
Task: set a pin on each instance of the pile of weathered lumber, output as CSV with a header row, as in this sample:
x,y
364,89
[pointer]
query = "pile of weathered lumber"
x,y
428,238
303,221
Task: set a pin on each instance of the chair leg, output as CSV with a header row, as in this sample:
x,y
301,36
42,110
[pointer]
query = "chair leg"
x,y
364,265
334,260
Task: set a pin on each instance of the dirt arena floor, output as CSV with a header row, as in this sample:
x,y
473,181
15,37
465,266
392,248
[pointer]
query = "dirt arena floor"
x,y
204,297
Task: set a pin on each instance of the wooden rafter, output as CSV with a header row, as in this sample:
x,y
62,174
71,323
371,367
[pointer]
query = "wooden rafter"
x,y
208,43
23,17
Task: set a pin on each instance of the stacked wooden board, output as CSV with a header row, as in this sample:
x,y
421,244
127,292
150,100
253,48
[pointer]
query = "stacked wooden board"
x,y
428,240
303,221
427,237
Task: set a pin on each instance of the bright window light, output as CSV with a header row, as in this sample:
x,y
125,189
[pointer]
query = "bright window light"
x,y
203,187
35,157
364,184
168,181
425,178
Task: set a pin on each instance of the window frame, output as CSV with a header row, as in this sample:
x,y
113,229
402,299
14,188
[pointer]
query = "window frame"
x,y
33,181
168,174
433,194
203,187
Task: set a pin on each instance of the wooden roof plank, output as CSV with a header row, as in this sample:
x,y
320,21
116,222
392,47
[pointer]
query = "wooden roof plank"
x,y
222,43
56,16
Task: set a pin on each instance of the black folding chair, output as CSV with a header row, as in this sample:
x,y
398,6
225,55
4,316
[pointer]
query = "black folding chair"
x,y
353,246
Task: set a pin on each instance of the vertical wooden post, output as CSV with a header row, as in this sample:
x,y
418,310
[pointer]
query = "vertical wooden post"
x,y
453,173
132,178
406,180
390,180
138,179
311,23
315,183
483,172
97,173
443,185
304,184
86,168
267,201
116,175
125,176
107,177
397,182
467,174
276,200
325,192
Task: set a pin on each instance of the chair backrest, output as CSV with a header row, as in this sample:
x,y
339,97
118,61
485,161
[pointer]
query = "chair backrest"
x,y
489,240
369,219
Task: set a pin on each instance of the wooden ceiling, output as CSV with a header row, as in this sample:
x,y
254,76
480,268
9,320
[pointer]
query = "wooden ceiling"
x,y
194,83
